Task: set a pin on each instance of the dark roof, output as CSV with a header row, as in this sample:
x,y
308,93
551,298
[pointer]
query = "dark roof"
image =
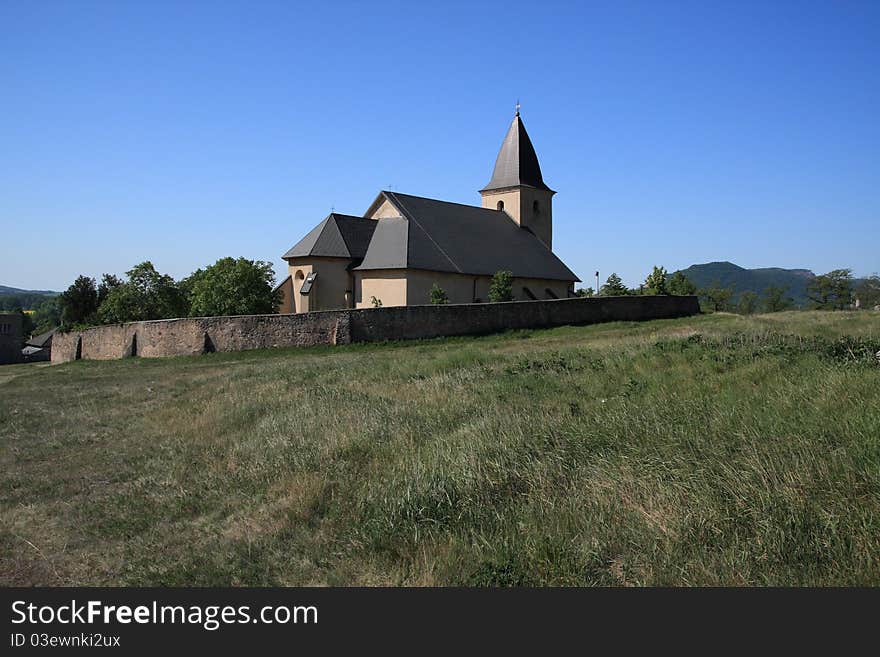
x,y
517,163
42,340
338,236
465,239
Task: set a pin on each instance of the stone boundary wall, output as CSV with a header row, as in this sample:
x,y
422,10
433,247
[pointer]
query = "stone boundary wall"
x,y
199,335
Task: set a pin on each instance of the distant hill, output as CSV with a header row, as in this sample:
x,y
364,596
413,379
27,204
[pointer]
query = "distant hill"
x,y
16,290
756,280
12,298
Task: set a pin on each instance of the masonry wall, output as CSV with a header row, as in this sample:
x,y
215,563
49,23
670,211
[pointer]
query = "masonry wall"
x,y
179,337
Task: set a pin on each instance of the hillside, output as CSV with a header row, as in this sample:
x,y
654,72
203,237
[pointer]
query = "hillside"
x,y
755,280
712,450
15,290
12,298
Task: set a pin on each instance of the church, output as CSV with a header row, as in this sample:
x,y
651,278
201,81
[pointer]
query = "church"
x,y
403,245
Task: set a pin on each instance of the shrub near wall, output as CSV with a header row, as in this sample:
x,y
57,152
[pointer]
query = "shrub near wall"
x,y
179,337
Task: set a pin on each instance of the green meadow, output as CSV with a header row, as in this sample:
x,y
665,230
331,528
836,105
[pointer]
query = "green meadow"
x,y
712,450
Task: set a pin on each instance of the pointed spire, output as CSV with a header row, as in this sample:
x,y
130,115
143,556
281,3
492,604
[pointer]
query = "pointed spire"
x,y
517,163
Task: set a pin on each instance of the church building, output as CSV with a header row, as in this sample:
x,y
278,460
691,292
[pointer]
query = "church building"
x,y
403,245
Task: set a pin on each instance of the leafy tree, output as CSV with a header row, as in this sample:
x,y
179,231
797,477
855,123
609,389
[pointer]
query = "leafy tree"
x,y
656,282
585,292
146,294
438,295
775,299
681,285
232,287
748,303
717,298
109,282
831,291
27,323
79,303
868,292
501,287
613,287
47,315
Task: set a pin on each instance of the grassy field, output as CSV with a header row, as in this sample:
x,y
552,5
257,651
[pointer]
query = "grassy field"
x,y
702,451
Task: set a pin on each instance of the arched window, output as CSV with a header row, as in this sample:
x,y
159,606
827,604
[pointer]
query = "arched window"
x,y
500,205
536,208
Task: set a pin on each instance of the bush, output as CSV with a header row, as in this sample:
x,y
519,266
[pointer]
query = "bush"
x,y
438,295
501,287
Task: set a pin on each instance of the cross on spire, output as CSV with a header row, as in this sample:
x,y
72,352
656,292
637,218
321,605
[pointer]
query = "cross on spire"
x,y
517,106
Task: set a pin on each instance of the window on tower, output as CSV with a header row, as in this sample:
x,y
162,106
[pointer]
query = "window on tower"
x,y
500,205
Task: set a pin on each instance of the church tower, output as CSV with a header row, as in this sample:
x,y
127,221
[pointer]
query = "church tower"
x,y
517,187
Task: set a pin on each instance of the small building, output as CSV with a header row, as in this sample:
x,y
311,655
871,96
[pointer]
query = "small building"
x,y
11,339
39,347
403,245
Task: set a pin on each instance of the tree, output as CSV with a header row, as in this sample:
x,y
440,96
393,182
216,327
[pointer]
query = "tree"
x,y
232,287
109,282
438,295
831,291
27,323
748,303
717,297
501,287
775,299
79,302
585,292
47,315
613,287
681,285
146,294
656,282
868,292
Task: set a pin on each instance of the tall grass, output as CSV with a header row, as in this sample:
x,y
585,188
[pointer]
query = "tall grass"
x,y
709,450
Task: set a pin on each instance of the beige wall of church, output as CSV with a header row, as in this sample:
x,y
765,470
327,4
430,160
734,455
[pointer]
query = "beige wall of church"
x,y
389,286
519,204
286,288
460,288
386,209
328,291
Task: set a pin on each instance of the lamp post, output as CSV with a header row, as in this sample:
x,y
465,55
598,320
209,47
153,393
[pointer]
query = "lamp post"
x,y
597,283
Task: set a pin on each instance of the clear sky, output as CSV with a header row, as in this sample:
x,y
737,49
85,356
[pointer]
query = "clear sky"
x,y
674,132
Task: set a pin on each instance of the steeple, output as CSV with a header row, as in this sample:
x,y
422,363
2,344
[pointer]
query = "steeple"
x,y
517,163
517,186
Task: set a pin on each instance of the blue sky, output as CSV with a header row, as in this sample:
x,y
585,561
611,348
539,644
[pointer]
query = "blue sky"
x,y
674,132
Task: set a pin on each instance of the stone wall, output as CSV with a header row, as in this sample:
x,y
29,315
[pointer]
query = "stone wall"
x,y
180,337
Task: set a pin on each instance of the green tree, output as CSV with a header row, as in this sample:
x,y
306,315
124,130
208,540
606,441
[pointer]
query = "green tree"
x,y
146,294
109,282
27,323
775,299
868,292
656,282
232,287
585,292
680,285
47,315
438,295
613,287
501,287
831,291
717,298
748,303
79,302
